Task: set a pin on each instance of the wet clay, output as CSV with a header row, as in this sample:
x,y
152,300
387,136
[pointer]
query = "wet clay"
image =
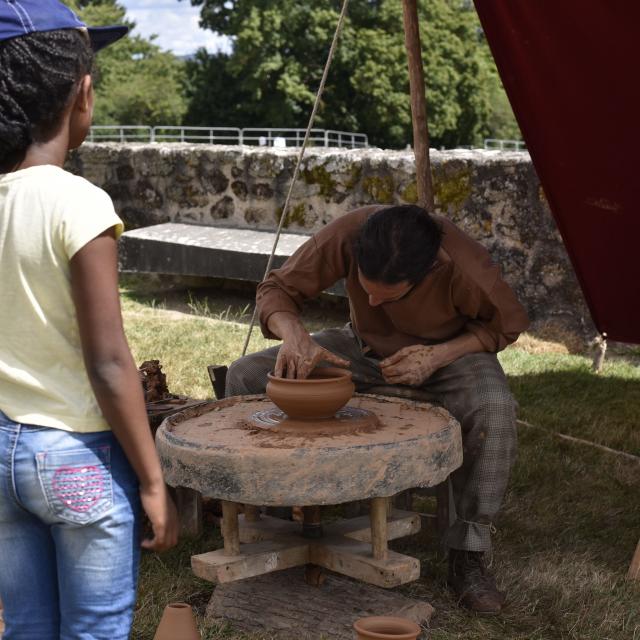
x,y
245,422
348,420
320,395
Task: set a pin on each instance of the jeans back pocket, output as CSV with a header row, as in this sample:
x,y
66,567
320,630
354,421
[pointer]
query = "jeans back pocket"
x,y
77,482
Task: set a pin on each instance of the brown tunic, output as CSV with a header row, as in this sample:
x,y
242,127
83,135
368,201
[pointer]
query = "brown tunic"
x,y
463,292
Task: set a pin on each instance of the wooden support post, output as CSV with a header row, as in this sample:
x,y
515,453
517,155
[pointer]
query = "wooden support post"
x,y
311,523
634,567
442,506
189,506
418,104
379,528
251,513
230,530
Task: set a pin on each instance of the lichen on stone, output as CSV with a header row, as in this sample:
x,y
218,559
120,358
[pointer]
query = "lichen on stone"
x,y
296,215
354,177
410,193
452,188
320,176
380,188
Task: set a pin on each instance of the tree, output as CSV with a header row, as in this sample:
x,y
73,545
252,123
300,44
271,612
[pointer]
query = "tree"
x,y
135,81
279,50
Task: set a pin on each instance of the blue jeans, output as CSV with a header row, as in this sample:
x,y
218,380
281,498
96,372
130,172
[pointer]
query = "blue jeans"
x,y
69,539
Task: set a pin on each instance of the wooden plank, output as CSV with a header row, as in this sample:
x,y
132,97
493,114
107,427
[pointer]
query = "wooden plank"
x,y
255,560
267,528
399,524
281,606
353,558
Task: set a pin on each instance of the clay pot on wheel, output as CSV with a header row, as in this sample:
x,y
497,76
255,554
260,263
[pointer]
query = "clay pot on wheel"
x,y
320,395
386,628
177,623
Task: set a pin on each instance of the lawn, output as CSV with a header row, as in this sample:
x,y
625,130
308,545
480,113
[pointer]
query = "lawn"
x,y
571,519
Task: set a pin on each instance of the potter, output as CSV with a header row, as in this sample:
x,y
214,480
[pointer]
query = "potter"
x,y
429,310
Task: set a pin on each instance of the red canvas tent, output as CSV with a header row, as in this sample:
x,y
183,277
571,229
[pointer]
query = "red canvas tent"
x,y
570,71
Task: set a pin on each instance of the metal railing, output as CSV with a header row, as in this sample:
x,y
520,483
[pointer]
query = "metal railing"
x,y
120,133
266,137
505,145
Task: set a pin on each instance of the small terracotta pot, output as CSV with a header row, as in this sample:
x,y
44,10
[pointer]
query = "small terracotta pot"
x,y
177,623
386,628
320,395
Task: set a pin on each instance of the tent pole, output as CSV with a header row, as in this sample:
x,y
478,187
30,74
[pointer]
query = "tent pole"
x,y
418,104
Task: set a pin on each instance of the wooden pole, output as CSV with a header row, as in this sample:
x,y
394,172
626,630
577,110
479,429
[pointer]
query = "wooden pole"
x,y
378,518
230,530
418,104
634,567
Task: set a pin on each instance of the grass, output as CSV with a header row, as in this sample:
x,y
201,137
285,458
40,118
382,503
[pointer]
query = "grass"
x,y
570,521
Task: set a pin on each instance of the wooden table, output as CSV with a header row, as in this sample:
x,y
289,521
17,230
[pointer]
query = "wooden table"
x,y
243,452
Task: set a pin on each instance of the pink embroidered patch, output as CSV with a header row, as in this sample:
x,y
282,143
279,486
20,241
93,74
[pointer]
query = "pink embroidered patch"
x,y
79,488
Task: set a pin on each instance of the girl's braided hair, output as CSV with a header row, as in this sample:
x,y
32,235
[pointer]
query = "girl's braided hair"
x,y
38,75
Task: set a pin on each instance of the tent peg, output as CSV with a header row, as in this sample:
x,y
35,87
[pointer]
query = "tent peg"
x,y
600,343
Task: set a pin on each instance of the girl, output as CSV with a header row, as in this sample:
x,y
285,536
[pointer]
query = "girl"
x,y
76,455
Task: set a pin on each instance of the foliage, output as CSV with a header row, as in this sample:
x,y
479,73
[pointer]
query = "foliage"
x,y
136,82
279,50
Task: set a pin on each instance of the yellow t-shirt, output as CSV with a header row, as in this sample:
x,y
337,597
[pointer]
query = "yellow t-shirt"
x,y
46,216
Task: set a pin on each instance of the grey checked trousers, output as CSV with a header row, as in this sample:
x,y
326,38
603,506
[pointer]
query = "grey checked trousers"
x,y
473,389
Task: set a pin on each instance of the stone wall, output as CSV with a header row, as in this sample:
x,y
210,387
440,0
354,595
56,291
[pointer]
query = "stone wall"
x,y
494,196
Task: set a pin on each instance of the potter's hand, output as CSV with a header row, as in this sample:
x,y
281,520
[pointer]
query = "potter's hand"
x,y
413,365
299,354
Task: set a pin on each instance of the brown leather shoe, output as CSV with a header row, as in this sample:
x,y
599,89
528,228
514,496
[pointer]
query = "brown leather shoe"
x,y
473,583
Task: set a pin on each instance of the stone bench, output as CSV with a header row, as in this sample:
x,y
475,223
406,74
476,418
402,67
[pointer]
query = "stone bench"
x,y
179,249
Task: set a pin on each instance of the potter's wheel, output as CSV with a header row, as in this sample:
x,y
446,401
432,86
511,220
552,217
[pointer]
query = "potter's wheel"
x,y
243,449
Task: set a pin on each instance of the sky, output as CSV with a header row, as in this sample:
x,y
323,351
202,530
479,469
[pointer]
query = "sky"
x,y
175,23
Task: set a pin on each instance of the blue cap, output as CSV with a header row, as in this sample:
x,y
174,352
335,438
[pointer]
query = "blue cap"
x,y
20,17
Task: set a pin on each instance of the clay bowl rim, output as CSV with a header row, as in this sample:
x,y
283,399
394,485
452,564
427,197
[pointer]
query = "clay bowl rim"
x,y
405,635
314,378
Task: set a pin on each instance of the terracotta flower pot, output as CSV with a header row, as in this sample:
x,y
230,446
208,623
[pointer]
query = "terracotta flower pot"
x,y
386,628
320,395
177,623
